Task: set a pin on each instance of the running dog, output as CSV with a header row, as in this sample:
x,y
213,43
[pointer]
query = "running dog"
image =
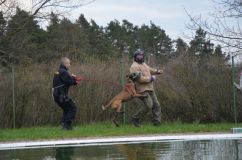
x,y
125,95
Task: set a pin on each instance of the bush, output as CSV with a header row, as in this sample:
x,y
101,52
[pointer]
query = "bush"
x,y
187,92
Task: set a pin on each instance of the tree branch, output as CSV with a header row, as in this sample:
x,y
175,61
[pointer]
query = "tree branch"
x,y
40,7
2,2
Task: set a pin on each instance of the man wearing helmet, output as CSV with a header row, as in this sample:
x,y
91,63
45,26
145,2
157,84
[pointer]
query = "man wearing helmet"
x,y
144,85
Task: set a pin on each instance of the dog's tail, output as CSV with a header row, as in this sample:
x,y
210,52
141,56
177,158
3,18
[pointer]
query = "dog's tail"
x,y
104,107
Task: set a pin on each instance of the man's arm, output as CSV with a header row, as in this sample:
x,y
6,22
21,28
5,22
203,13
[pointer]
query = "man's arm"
x,y
67,78
154,71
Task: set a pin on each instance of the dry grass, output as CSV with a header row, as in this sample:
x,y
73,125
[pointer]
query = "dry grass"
x,y
187,92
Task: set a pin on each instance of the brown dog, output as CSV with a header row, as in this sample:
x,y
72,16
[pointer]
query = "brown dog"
x,y
125,95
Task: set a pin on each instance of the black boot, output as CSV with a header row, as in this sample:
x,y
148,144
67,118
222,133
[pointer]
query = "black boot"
x,y
136,122
156,123
67,125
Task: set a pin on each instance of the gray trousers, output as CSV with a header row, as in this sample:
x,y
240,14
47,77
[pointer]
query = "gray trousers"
x,y
150,102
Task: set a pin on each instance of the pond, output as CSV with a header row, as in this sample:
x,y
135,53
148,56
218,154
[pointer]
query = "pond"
x,y
213,149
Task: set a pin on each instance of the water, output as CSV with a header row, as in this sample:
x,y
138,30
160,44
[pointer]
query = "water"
x,y
227,149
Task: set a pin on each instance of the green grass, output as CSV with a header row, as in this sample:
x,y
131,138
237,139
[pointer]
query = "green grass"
x,y
108,129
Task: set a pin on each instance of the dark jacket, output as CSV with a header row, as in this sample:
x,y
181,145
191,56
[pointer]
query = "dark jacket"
x,y
62,81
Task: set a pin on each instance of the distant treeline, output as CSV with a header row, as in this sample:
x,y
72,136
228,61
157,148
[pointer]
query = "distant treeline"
x,y
23,40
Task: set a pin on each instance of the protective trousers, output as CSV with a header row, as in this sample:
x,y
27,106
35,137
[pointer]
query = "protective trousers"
x,y
150,102
68,107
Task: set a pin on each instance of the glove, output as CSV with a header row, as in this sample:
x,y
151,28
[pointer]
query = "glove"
x,y
79,78
152,78
159,71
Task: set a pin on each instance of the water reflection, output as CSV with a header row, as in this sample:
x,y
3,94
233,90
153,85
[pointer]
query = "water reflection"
x,y
204,150
135,152
172,150
64,153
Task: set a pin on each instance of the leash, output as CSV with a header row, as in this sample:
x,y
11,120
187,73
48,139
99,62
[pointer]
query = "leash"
x,y
115,84
111,83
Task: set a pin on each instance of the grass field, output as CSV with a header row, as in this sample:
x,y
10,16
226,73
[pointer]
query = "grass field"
x,y
108,129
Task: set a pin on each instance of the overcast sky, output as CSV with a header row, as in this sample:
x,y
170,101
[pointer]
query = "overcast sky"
x,y
168,14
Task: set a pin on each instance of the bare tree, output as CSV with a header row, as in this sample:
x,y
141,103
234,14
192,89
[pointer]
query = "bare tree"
x,y
225,27
7,7
42,8
39,9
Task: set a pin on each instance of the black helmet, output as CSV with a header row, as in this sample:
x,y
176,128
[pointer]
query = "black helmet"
x,y
136,53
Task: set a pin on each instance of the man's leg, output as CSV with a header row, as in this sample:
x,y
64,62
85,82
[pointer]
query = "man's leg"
x,y
143,110
156,109
62,106
70,113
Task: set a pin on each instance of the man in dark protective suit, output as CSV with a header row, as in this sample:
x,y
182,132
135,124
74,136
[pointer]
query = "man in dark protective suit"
x,y
61,82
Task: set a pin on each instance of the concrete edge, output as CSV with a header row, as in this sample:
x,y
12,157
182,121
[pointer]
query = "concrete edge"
x,y
114,140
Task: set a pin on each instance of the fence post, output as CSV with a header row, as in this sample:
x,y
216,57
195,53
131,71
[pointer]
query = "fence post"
x,y
122,83
234,91
13,95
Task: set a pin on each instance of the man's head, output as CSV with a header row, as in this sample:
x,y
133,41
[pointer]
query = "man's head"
x,y
66,62
139,56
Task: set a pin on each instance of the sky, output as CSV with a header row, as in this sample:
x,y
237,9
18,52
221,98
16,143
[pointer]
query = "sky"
x,y
170,15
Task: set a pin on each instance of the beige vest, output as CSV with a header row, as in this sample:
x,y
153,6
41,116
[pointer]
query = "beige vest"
x,y
144,83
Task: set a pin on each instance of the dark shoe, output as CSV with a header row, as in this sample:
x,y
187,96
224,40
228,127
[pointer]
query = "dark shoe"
x,y
67,126
156,123
136,122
